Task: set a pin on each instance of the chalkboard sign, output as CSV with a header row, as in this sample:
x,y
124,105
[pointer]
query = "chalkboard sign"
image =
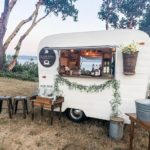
x,y
47,57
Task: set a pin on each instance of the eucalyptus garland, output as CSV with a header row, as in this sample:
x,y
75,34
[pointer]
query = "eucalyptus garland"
x,y
115,102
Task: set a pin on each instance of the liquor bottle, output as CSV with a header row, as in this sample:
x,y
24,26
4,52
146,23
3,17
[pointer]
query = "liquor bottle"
x,y
107,67
96,70
99,70
93,70
104,67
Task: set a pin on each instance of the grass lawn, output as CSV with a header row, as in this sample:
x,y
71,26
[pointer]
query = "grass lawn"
x,y
23,134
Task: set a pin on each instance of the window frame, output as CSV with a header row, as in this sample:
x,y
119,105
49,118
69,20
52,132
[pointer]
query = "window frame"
x,y
111,51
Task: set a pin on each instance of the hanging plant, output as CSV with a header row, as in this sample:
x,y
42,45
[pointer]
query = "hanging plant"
x,y
130,54
115,102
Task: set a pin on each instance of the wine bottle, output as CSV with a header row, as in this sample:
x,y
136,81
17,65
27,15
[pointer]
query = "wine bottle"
x,y
104,69
93,70
107,68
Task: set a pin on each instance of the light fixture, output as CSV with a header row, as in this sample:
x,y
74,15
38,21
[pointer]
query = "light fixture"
x,y
87,52
72,50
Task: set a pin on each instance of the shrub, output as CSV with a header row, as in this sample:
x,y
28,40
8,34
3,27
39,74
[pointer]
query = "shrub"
x,y
27,71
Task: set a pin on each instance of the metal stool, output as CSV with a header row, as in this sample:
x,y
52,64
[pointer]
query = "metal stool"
x,y
24,101
9,104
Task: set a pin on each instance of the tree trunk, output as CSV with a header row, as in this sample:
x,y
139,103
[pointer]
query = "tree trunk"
x,y
130,25
8,5
3,24
107,26
2,54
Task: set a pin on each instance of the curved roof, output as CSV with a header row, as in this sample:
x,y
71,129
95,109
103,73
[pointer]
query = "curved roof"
x,y
94,38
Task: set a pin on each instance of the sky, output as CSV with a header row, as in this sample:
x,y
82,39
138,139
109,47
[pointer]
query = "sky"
x,y
87,21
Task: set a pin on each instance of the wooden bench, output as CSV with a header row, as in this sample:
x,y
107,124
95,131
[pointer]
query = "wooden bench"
x,y
47,104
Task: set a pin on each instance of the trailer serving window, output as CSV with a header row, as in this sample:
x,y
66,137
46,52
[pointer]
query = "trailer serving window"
x,y
98,63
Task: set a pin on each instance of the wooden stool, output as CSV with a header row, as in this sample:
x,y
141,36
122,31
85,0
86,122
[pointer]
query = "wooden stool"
x,y
9,104
24,101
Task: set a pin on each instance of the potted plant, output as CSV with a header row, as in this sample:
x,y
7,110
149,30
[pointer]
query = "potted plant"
x,y
130,54
116,125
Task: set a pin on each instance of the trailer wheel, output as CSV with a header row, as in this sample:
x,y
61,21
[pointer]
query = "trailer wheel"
x,y
76,115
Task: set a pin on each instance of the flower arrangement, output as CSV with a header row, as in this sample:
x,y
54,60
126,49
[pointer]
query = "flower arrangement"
x,y
130,48
130,54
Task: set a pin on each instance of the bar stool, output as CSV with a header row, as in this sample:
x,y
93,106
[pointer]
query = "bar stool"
x,y
9,104
24,101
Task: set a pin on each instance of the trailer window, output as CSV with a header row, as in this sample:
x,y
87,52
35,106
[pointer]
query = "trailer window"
x,y
98,63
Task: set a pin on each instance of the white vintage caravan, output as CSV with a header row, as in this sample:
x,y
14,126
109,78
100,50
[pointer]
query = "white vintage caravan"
x,y
86,58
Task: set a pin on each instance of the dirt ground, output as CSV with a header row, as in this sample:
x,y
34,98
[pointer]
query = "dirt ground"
x,y
23,134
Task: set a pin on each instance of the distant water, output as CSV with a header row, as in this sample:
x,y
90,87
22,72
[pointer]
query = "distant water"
x,y
25,59
87,63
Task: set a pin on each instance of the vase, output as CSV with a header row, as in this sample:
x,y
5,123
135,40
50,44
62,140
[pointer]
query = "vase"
x,y
116,128
129,63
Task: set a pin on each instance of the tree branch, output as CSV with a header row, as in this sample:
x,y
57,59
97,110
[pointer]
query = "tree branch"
x,y
19,26
5,16
6,6
34,23
12,4
17,48
40,19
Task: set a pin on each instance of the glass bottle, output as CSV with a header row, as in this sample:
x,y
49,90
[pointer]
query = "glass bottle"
x,y
93,70
104,69
99,70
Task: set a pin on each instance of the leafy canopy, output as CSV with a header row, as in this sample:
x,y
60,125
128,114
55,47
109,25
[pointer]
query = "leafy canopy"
x,y
131,10
122,13
64,7
145,22
108,12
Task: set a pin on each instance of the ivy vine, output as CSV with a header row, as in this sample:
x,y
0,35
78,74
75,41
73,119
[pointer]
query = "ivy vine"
x,y
115,102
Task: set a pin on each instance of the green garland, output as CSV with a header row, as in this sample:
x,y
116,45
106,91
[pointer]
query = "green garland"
x,y
116,100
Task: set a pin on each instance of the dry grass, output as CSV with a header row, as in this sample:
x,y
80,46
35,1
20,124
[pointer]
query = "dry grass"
x,y
23,134
15,87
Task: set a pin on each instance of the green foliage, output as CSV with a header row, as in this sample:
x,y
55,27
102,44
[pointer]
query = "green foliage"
x,y
64,7
145,22
131,10
122,13
123,23
108,12
115,102
30,68
27,71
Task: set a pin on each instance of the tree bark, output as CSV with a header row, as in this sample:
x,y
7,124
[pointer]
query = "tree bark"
x,y
18,27
17,48
2,55
8,5
130,24
2,33
107,26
